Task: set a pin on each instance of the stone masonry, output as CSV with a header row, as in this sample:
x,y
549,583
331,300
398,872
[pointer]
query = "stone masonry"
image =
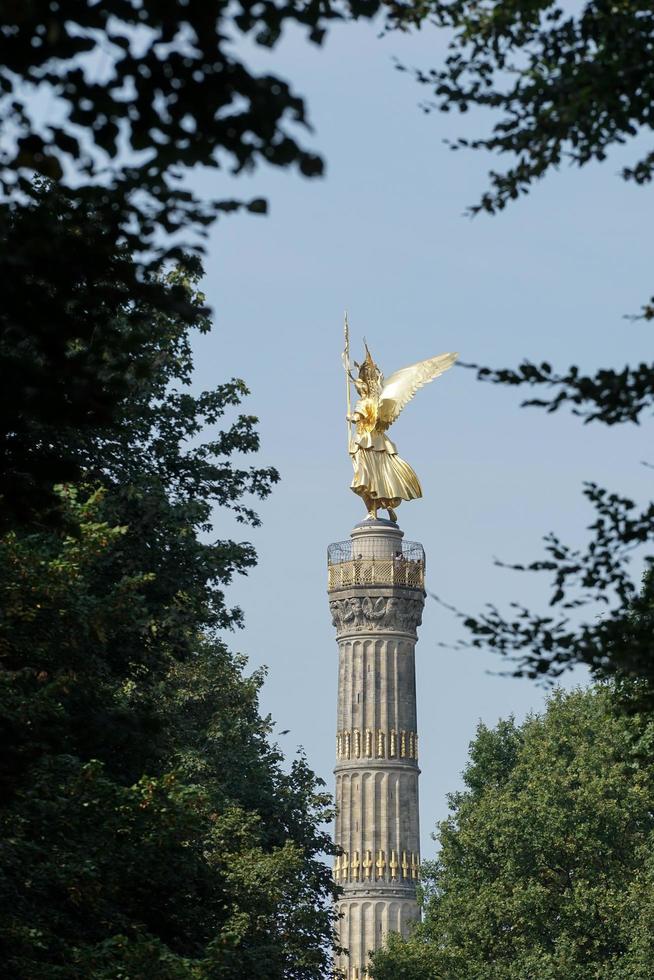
x,y
376,593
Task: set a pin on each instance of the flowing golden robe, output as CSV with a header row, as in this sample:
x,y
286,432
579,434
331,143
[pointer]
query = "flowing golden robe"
x,y
380,475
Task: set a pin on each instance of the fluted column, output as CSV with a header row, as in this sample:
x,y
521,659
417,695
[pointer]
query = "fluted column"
x,y
376,591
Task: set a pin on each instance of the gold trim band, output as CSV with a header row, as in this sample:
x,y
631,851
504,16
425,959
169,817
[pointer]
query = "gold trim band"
x,y
352,868
381,744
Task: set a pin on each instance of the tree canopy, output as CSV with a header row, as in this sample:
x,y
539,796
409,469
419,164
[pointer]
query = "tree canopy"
x,y
561,84
545,867
114,104
140,91
149,825
77,340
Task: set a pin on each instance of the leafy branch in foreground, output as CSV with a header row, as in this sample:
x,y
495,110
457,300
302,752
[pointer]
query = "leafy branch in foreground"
x,y
149,826
545,865
141,92
619,641
610,396
560,85
567,86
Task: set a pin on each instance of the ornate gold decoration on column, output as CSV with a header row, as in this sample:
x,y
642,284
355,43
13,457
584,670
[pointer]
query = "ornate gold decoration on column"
x,y
345,863
362,746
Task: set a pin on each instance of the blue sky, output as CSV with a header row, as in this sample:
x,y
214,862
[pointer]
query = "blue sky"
x,y
384,234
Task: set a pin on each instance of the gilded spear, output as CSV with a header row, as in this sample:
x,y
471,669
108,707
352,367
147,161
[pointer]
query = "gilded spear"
x,y
346,364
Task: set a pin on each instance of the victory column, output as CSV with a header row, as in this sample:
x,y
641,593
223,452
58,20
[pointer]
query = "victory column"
x,y
376,596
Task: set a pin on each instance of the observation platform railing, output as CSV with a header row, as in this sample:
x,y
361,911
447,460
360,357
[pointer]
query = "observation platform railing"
x,y
406,568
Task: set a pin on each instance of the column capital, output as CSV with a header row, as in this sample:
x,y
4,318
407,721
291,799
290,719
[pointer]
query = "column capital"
x,y
376,610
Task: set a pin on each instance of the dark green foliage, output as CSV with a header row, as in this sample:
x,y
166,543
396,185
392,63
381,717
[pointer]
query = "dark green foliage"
x,y
146,91
566,85
77,339
148,826
113,103
561,85
611,396
617,642
545,870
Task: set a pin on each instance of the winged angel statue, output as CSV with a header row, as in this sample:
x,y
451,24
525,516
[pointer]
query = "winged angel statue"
x,y
381,477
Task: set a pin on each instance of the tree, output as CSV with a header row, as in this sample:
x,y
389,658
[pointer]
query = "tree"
x,y
545,868
148,824
561,85
568,85
138,93
141,92
618,643
76,341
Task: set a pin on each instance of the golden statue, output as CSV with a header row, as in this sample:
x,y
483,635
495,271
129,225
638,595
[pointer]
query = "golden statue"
x,y
381,477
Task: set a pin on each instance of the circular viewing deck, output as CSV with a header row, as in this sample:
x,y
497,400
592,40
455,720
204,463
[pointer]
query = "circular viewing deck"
x,y
347,567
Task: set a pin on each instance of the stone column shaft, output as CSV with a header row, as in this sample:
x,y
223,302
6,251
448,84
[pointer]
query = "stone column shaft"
x,y
376,599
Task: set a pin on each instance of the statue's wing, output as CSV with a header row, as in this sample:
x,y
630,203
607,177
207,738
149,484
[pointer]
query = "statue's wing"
x,y
400,388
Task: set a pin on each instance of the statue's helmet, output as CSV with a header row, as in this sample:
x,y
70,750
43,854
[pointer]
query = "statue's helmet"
x,y
370,376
